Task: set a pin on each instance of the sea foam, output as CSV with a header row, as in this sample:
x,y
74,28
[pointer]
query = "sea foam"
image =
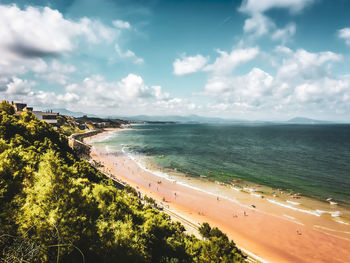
x,y
292,207
293,203
315,213
166,176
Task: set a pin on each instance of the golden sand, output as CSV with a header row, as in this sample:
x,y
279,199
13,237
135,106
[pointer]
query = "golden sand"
x,y
272,232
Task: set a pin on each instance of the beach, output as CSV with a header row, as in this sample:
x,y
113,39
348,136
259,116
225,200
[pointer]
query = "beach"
x,y
273,233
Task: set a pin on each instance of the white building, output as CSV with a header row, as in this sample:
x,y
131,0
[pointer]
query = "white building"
x,y
49,117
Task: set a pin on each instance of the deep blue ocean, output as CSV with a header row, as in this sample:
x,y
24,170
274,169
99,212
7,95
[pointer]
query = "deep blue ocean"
x,y
311,159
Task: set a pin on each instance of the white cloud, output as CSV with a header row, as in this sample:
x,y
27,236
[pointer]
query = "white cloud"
x,y
250,89
94,94
38,32
30,36
3,83
345,34
219,107
175,106
13,65
121,24
303,82
283,50
68,97
285,33
227,62
62,68
187,65
260,6
19,87
128,54
133,87
129,96
57,72
159,94
97,93
258,25
304,65
217,85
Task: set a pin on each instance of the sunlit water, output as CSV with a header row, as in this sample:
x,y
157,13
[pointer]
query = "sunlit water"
x,y
311,159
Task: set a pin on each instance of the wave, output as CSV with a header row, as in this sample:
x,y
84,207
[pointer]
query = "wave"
x,y
293,203
332,213
107,136
157,173
257,195
250,189
342,222
110,149
311,212
166,176
236,189
292,207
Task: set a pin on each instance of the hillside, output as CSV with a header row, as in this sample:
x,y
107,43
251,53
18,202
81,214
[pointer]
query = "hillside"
x,y
56,207
66,112
181,119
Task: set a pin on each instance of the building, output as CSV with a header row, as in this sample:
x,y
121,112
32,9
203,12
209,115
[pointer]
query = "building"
x,y
19,106
48,116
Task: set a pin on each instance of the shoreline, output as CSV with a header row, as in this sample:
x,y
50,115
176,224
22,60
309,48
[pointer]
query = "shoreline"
x,y
282,198
248,227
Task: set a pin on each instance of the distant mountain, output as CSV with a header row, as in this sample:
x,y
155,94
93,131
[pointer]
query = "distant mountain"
x,y
301,120
63,111
187,119
181,119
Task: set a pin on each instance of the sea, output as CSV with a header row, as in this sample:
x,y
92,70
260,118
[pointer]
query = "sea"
x,y
311,160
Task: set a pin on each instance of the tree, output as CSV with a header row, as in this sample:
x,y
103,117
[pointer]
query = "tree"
x,y
7,107
57,207
204,230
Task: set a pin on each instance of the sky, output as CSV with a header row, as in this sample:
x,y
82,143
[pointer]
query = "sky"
x,y
239,59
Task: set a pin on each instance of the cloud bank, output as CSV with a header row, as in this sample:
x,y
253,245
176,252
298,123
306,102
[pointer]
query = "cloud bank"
x,y
187,65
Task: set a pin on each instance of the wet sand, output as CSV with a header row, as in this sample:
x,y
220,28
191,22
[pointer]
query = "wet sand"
x,y
280,235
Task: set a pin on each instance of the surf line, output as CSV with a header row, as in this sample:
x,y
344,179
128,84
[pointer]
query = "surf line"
x,y
166,176
315,213
330,229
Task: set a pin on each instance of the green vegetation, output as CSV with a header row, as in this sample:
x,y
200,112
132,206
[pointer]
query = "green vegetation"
x,y
68,125
58,208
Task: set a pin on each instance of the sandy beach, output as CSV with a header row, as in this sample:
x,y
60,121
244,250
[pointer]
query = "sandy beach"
x,y
284,235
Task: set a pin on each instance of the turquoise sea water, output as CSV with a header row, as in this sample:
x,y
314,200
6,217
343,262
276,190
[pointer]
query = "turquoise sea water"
x,y
311,159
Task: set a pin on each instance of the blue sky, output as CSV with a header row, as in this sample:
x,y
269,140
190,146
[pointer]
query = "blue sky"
x,y
250,59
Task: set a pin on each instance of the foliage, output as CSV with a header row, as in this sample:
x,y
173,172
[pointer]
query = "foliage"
x,y
150,200
68,125
7,107
56,207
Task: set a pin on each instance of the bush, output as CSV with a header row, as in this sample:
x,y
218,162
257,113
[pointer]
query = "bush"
x,y
60,208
